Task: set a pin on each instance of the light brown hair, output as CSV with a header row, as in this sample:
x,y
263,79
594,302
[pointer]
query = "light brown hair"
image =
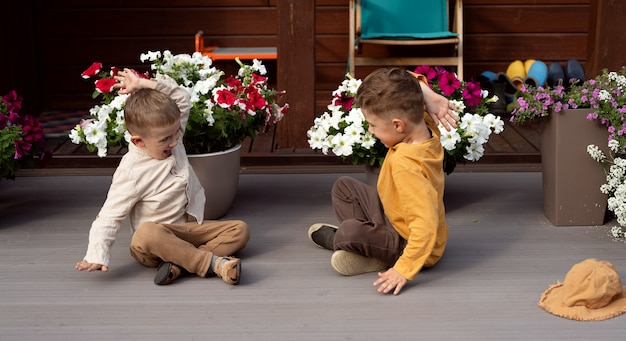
x,y
148,108
392,91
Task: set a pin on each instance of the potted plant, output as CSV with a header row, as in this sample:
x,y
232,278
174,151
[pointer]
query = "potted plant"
x,y
608,101
343,131
581,114
225,110
615,186
21,138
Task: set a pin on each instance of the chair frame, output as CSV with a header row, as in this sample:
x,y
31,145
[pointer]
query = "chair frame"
x,y
355,43
230,53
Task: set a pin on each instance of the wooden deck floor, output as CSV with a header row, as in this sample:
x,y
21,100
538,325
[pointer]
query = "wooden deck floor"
x,y
502,254
517,148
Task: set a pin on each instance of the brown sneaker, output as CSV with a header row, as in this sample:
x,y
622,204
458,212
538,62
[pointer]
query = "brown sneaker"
x,y
228,269
167,272
350,263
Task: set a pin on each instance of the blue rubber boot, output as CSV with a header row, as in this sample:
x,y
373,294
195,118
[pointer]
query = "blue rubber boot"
x,y
537,74
556,75
574,72
489,75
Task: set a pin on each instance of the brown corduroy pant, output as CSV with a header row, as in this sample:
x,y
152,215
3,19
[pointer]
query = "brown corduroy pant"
x,y
363,226
189,245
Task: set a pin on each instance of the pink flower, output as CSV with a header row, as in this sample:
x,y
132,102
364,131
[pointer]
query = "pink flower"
x,y
472,94
84,123
448,83
12,101
21,148
426,71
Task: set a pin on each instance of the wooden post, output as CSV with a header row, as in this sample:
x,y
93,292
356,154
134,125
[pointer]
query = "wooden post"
x,y
296,70
607,36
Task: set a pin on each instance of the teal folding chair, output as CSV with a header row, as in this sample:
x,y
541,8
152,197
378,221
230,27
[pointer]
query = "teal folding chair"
x,y
405,22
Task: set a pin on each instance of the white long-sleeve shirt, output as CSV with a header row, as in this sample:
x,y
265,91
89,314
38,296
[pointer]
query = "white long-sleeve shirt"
x,y
146,189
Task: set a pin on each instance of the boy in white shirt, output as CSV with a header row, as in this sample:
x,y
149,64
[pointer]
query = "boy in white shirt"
x,y
155,185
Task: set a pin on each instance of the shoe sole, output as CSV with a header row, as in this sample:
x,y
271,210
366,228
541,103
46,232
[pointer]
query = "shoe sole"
x,y
162,274
236,281
316,227
350,263
230,280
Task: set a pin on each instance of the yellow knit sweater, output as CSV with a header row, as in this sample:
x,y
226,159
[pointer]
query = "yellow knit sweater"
x,y
411,188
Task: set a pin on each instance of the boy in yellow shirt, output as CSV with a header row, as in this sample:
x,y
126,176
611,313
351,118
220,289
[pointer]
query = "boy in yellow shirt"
x,y
401,227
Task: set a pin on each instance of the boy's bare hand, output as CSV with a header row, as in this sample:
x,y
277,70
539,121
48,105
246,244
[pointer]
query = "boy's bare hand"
x,y
389,280
127,81
442,111
439,108
84,265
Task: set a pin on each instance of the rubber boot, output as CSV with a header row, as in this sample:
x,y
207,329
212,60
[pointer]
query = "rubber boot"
x,y
498,108
537,74
556,75
574,72
516,73
509,88
527,64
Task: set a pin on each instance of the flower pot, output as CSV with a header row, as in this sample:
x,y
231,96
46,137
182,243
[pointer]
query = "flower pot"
x,y
219,175
571,178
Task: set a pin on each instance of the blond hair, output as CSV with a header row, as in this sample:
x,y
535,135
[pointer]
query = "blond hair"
x,y
147,109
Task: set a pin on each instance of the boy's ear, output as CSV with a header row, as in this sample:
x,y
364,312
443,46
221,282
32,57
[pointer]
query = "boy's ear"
x,y
137,141
398,124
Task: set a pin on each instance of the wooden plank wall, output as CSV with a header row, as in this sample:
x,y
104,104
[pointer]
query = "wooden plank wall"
x,y
56,40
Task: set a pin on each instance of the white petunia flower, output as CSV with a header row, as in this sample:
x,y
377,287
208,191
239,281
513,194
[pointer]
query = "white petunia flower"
x,y
449,139
341,145
75,135
257,65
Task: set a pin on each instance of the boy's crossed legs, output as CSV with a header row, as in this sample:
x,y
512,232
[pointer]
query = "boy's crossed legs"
x,y
203,249
365,241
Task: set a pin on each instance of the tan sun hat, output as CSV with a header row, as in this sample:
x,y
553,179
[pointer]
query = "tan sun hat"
x,y
591,291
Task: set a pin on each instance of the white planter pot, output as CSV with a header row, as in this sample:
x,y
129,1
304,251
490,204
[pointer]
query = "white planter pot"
x,y
219,175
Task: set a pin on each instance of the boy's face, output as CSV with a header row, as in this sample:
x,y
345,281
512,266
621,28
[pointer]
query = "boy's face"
x,y
384,129
159,142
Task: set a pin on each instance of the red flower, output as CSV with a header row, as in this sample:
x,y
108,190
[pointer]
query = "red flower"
x,y
104,84
225,98
115,70
258,79
233,82
92,70
344,101
256,99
